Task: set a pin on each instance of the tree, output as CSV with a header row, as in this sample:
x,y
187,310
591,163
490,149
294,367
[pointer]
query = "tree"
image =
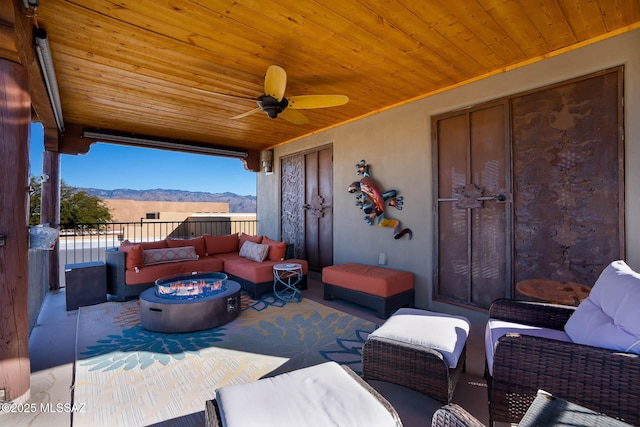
x,y
34,201
76,206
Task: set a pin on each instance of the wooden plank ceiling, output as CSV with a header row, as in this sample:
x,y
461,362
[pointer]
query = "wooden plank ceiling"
x,y
132,66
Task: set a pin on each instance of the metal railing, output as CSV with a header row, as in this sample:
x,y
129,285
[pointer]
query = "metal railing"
x,y
88,242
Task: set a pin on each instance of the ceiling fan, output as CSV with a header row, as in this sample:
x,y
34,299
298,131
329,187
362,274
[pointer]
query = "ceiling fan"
x,y
274,104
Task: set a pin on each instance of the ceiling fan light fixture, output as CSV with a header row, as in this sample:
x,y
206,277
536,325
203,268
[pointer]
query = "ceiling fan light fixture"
x,y
274,104
271,106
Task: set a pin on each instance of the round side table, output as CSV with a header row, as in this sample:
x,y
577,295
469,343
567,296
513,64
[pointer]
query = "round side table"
x,y
285,278
567,293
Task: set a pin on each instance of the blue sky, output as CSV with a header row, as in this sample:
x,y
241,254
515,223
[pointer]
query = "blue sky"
x,y
110,166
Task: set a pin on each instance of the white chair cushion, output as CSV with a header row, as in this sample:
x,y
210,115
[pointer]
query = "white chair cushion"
x,y
610,316
445,333
318,396
497,328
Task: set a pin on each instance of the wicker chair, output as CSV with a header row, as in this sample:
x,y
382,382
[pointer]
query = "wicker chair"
x,y
452,415
603,380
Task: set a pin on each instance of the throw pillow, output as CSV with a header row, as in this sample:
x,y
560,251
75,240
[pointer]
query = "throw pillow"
x,y
197,243
277,250
161,256
254,251
221,244
609,317
134,255
245,237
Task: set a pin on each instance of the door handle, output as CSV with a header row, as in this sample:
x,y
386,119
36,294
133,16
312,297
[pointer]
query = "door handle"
x,y
497,197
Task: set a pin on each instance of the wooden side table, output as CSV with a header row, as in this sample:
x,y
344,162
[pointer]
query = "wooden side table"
x,y
566,293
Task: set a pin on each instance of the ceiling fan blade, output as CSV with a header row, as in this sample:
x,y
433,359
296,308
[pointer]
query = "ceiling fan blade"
x,y
275,82
227,95
303,102
294,117
248,113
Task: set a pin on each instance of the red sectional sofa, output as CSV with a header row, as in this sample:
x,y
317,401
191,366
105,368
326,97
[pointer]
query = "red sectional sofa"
x,y
134,267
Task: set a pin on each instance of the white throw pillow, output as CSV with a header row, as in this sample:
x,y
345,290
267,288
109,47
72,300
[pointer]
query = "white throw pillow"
x,y
610,316
254,251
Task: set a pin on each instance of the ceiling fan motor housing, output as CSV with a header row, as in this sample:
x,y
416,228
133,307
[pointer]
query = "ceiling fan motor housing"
x,y
272,106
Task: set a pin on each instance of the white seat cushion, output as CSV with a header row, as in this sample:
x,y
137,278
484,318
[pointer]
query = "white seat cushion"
x,y
610,316
445,333
497,328
321,395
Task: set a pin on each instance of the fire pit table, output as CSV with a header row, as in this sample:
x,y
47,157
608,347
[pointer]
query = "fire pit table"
x,y
189,302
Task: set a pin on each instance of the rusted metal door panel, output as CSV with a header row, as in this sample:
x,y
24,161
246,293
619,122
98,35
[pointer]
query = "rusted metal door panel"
x,y
307,205
568,179
453,233
325,221
472,204
292,193
489,226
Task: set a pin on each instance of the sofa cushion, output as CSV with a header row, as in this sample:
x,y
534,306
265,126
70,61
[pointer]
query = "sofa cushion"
x,y
254,251
221,244
149,273
277,250
247,269
245,237
495,329
228,256
609,317
161,256
197,243
160,244
134,257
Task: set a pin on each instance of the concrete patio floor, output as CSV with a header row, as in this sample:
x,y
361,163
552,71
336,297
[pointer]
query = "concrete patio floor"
x,y
52,347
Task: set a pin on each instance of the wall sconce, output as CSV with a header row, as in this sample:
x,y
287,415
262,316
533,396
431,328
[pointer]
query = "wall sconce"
x,y
3,239
266,160
30,4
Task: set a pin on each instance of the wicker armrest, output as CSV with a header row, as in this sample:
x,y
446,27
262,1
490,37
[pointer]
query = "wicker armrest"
x,y
599,379
452,415
552,316
212,414
413,366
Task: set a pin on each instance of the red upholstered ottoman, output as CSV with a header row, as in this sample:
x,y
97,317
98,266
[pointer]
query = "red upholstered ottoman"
x,y
383,289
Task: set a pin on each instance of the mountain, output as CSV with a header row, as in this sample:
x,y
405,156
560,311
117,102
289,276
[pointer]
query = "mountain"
x,y
237,203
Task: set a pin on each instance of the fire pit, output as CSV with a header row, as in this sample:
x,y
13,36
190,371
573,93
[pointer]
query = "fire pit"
x,y
189,302
191,287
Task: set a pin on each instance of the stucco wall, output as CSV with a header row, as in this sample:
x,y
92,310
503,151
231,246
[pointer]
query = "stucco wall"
x,y
124,210
397,145
38,283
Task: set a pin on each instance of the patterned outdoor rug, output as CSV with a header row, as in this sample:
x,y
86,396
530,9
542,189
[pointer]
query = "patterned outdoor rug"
x,y
128,376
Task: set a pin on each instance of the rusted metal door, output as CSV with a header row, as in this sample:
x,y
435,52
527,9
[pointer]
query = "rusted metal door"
x,y
568,168
307,205
472,206
562,218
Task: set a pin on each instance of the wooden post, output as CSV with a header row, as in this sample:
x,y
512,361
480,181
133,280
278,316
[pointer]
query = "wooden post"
x,y
15,116
50,206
